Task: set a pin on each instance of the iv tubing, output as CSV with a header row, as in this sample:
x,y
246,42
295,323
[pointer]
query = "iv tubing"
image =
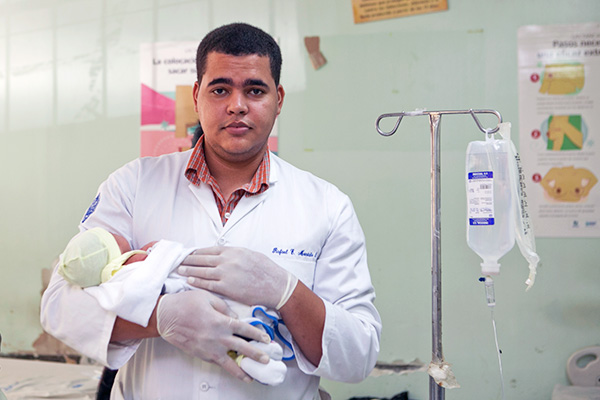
x,y
499,354
490,298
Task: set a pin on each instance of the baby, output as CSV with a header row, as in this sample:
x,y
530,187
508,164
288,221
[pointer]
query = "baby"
x,y
94,256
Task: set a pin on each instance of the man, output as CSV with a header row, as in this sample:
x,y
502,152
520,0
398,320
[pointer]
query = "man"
x,y
268,234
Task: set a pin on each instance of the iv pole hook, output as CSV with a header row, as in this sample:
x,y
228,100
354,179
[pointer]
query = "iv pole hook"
x,y
472,112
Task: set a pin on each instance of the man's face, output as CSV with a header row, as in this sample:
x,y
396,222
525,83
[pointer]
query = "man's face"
x,y
237,103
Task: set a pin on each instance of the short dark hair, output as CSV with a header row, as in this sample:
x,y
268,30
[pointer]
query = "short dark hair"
x,y
239,39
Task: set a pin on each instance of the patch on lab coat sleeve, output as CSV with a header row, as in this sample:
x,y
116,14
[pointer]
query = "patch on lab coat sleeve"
x,y
91,208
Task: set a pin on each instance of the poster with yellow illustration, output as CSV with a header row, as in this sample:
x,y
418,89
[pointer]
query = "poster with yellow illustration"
x,y
564,132
559,127
568,184
562,78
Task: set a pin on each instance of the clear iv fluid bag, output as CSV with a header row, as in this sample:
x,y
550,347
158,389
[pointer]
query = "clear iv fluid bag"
x,y
490,207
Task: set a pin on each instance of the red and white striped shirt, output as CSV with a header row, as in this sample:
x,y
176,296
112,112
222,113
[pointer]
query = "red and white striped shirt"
x,y
197,172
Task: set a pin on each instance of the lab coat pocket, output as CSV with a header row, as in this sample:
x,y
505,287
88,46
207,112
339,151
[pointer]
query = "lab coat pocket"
x,y
304,270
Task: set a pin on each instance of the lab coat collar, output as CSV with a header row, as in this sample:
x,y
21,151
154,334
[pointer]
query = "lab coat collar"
x,y
273,168
205,196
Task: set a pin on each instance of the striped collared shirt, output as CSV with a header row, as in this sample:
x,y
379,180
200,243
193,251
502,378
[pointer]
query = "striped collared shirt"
x,y
197,172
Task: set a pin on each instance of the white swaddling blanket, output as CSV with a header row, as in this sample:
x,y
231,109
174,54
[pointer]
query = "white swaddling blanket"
x,y
133,291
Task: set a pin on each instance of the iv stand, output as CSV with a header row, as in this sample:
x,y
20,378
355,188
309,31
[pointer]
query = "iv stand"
x,y
436,392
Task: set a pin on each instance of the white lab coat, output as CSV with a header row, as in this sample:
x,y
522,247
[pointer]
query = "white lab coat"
x,y
301,222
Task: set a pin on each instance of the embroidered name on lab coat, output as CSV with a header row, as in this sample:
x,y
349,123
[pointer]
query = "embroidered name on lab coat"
x,y
293,252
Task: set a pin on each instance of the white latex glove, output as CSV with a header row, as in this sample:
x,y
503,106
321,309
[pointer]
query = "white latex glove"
x,y
201,324
239,274
271,374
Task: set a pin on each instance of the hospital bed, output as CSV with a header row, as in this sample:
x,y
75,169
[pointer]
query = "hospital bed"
x,y
33,379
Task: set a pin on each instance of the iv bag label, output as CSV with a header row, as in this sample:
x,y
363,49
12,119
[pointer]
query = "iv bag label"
x,y
480,198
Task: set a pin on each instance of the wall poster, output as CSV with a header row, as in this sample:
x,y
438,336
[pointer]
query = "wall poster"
x,y
168,73
559,122
375,10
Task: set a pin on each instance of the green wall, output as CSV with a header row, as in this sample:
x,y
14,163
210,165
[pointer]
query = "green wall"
x,y
69,115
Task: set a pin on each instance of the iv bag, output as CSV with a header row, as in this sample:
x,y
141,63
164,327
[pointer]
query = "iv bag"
x,y
490,205
497,203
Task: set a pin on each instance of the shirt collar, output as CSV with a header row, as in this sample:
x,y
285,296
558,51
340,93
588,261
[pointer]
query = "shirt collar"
x,y
197,171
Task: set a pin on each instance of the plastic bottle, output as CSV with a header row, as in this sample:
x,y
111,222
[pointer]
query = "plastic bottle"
x,y
490,207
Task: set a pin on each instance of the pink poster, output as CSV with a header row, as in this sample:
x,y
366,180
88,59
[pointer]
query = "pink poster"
x,y
168,73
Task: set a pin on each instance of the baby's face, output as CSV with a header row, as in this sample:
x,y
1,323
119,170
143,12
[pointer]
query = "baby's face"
x,y
140,257
122,242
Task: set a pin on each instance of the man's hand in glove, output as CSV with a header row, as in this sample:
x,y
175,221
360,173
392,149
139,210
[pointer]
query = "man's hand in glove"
x,y
240,274
202,325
